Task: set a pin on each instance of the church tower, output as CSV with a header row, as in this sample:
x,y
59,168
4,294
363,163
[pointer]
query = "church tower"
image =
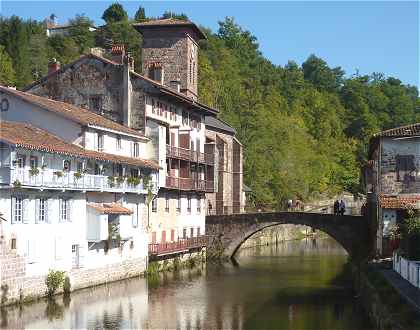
x,y
170,53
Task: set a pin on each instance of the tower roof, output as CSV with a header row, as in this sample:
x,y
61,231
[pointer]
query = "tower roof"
x,y
168,22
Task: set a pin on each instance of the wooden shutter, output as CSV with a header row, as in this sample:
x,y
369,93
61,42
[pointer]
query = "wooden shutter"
x,y
13,207
49,210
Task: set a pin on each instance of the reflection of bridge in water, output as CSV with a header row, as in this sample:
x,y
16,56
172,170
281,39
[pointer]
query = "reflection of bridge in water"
x,y
226,233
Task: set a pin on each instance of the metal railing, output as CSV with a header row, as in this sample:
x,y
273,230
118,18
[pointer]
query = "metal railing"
x,y
156,249
49,178
188,154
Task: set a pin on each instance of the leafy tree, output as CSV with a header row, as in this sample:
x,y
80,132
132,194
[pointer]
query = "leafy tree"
x,y
140,14
39,57
115,13
80,32
320,75
171,14
7,73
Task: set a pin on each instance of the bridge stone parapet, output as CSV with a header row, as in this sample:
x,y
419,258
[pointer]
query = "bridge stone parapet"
x,y
226,233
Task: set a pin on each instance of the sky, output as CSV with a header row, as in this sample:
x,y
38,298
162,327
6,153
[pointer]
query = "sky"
x,y
359,36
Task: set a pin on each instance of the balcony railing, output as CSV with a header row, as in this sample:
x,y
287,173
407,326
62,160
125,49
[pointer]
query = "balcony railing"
x,y
190,155
182,245
189,184
57,179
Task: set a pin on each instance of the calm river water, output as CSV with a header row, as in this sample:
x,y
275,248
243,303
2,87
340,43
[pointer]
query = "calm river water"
x,y
295,285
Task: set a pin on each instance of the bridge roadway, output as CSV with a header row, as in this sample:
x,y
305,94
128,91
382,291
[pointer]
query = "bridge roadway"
x,y
226,233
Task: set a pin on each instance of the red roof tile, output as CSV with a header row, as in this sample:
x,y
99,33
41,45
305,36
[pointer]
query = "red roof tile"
x,y
69,111
29,137
110,208
388,202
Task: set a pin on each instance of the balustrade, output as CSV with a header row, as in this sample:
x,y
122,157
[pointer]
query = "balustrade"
x,y
178,246
190,155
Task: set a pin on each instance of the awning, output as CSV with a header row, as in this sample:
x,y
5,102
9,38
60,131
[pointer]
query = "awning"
x,y
110,208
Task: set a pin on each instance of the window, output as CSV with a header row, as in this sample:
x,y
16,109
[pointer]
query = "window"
x,y
100,142
166,202
191,232
156,72
178,205
198,231
134,172
80,167
33,162
172,235
17,213
97,169
189,204
154,204
136,150
64,209
20,161
41,210
184,233
118,142
66,165
198,205
185,118
95,103
13,244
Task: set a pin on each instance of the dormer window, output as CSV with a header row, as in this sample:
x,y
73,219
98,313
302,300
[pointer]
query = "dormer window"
x,y
156,72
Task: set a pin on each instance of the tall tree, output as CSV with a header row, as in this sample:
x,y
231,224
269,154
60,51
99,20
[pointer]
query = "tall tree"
x,y
7,73
115,13
81,33
140,14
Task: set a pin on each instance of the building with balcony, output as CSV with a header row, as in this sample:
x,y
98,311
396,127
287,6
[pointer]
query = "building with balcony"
x,y
163,104
73,187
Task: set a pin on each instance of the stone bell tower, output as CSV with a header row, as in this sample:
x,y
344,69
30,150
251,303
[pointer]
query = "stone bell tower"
x,y
170,53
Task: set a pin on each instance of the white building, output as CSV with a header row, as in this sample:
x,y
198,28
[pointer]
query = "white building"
x,y
73,187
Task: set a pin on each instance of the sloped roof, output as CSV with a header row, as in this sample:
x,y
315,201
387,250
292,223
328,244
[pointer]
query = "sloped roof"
x,y
30,137
180,97
71,112
168,22
110,208
214,122
408,130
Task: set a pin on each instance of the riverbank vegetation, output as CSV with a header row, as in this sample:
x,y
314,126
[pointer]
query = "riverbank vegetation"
x,y
305,127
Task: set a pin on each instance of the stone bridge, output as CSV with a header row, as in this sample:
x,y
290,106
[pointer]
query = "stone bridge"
x,y
226,233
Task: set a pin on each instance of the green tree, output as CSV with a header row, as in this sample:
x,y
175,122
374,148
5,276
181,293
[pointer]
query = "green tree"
x,y
320,75
140,14
7,73
115,13
39,57
171,14
80,32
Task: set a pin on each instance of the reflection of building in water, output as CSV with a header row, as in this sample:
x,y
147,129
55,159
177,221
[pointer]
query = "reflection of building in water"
x,y
118,305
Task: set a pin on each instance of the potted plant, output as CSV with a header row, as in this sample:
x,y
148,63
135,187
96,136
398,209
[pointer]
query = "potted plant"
x,y
17,183
77,175
34,171
134,181
59,174
120,179
111,181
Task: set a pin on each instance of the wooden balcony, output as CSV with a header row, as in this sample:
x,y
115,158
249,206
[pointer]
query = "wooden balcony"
x,y
189,184
189,155
182,245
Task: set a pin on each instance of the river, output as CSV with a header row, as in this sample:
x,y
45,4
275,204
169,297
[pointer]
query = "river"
x,y
294,285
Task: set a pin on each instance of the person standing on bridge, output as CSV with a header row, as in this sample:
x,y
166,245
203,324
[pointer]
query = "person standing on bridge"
x,y
336,207
342,207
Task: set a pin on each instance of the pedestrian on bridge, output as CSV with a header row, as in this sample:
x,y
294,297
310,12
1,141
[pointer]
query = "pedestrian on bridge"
x,y
336,207
342,207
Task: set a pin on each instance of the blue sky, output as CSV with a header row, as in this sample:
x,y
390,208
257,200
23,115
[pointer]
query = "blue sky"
x,y
377,36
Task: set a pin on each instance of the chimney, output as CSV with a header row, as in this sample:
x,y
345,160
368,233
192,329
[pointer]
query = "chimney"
x,y
175,85
53,65
118,53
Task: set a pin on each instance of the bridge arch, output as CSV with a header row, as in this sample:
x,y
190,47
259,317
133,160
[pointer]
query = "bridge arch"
x,y
228,232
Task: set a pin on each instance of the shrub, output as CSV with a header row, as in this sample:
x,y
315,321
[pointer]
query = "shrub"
x,y
410,234
134,181
53,281
111,181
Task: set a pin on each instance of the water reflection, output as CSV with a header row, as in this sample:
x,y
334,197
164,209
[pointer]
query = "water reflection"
x,y
294,285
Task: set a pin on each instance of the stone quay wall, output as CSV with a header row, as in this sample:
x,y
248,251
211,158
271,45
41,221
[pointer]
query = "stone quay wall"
x,y
16,286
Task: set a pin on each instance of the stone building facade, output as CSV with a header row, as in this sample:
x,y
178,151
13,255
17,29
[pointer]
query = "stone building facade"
x,y
392,179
